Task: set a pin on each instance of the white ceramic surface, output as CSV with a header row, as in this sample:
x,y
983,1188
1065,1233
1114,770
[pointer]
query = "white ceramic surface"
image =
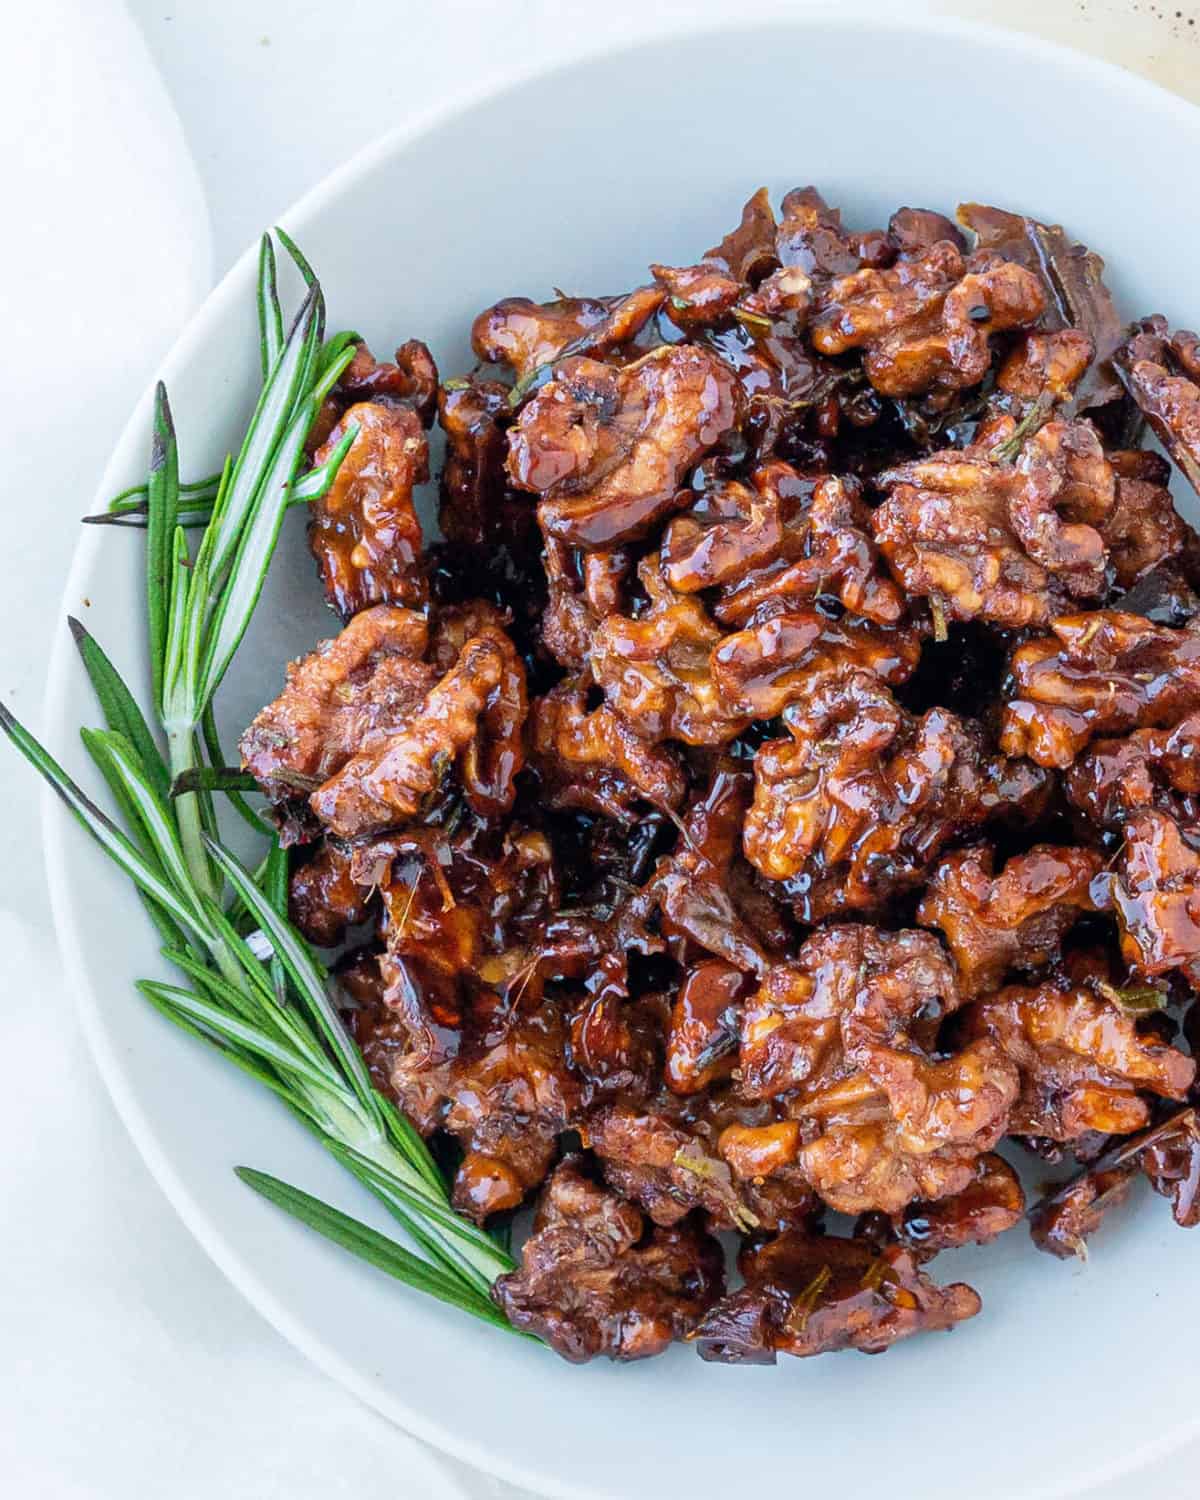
x,y
577,179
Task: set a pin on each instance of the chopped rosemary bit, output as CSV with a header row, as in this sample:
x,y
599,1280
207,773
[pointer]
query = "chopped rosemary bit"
x,y
1138,1000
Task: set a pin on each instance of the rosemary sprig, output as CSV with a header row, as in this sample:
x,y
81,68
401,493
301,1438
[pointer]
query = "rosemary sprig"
x,y
253,988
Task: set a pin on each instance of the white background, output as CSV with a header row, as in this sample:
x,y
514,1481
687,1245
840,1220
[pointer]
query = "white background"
x,y
128,1368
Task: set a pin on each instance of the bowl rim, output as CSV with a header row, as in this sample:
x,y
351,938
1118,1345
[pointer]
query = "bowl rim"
x,y
233,288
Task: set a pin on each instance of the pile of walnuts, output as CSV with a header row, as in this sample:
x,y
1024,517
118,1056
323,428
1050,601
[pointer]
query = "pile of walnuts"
x,y
778,788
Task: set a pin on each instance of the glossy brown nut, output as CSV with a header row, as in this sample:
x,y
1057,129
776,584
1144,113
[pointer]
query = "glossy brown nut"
x,y
364,531
591,1283
815,1294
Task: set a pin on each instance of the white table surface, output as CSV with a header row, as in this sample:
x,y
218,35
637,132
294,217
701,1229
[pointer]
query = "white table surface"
x,y
129,1369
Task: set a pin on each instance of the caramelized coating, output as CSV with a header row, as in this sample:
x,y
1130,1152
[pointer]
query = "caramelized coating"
x,y
369,730
1084,1064
1062,1225
815,1294
926,323
1154,891
702,1042
1015,920
411,380
1042,372
1143,529
775,661
343,695
1098,674
607,449
591,1281
991,1203
1147,768
1170,1158
845,1035
780,538
584,588
1162,375
500,1085
655,669
698,896
364,531
1007,542
528,335
653,1154
324,899
596,761
1072,278
854,807
477,506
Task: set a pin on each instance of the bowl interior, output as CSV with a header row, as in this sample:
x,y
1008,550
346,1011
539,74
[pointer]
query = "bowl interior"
x,y
578,179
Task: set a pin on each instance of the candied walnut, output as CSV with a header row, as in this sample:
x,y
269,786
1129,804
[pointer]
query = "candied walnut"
x,y
698,295
584,588
780,538
1097,674
845,1035
1154,891
412,379
651,1153
529,335
1041,372
991,1203
1014,920
702,1041
607,449
1170,1158
701,895
324,899
1063,1224
926,323
1144,529
339,697
477,506
912,230
593,1283
855,806
984,538
654,669
1169,1155
814,1294
1072,278
595,760
747,253
758,671
364,531
369,730
500,1084
473,715
1083,1062
1162,375
1147,768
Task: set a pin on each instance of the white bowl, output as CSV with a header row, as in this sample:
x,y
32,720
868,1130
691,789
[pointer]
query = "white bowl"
x,y
578,178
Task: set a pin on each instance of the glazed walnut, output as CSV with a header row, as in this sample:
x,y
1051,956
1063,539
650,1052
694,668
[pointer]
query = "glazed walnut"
x,y
1084,1064
855,806
1098,674
1005,541
1157,768
926,323
607,450
779,538
369,730
1015,920
528,335
991,1203
1162,374
595,759
1154,891
1143,529
844,1035
591,1282
364,531
815,1294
